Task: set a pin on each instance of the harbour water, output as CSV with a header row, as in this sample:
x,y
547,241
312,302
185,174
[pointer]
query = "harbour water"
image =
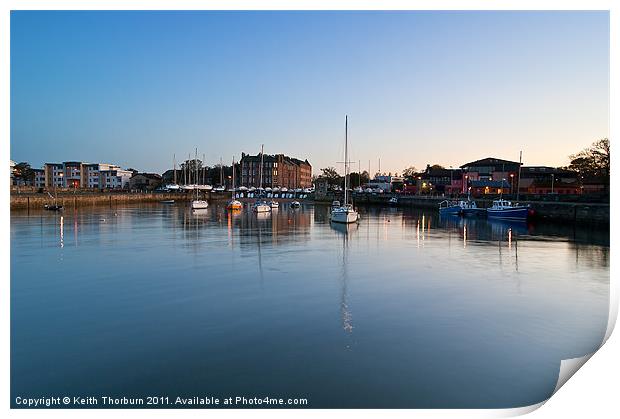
x,y
403,310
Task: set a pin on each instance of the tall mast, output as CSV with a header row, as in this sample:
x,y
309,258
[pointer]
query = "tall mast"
x,y
233,178
221,172
203,168
260,176
174,164
196,168
346,155
519,175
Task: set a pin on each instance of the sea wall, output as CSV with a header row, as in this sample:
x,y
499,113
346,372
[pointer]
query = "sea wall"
x,y
68,200
565,212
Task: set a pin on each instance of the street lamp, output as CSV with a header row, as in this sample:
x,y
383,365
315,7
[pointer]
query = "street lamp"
x,y
512,184
552,179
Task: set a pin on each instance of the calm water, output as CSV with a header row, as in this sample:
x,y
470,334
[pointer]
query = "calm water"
x,y
405,309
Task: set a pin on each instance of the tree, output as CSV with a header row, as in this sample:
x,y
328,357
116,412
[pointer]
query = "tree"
x,y
592,162
24,172
332,176
358,179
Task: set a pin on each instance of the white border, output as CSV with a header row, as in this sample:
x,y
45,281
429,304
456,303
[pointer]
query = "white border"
x,y
574,400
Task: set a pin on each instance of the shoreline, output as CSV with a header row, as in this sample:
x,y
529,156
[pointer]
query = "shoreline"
x,y
565,212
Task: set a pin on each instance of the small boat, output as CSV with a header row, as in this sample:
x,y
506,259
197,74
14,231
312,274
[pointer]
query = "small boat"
x,y
167,201
274,204
393,201
234,204
507,210
450,208
345,213
470,209
261,206
199,204
172,187
53,207
335,204
295,204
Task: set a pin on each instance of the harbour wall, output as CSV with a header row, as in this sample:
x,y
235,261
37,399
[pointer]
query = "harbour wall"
x,y
564,212
33,200
69,200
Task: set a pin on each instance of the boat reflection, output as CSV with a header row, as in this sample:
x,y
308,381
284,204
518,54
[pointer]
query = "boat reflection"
x,y
345,231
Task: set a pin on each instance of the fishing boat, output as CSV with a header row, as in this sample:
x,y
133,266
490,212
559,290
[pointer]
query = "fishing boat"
x,y
471,209
507,210
345,213
198,203
450,208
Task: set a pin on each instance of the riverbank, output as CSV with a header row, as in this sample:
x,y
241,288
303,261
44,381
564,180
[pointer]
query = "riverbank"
x,y
564,212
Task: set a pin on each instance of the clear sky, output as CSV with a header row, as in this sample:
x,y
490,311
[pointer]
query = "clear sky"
x,y
419,87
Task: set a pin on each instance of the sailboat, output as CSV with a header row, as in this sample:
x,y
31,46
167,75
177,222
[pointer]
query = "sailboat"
x,y
345,213
174,186
260,205
198,203
234,204
54,206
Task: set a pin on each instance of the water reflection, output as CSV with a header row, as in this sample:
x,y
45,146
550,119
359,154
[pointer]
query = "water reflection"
x,y
345,230
422,301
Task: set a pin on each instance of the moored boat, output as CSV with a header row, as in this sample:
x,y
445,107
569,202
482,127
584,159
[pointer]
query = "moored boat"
x,y
450,208
53,207
295,204
507,210
469,208
199,204
261,206
344,213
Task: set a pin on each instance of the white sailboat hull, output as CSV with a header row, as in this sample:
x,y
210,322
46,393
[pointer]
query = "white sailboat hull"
x,y
344,217
261,208
199,204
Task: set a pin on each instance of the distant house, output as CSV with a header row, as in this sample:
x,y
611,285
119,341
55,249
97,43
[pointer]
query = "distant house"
x,y
489,187
145,181
491,168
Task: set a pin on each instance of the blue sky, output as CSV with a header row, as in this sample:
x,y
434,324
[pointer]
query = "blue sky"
x,y
419,87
